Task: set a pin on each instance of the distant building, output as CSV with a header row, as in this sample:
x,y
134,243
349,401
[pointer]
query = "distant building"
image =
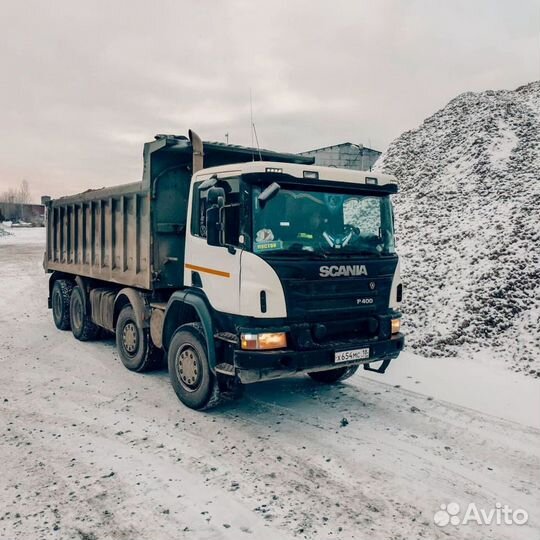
x,y
29,213
346,155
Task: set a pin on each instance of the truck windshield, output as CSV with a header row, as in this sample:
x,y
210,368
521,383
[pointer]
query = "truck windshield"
x,y
326,224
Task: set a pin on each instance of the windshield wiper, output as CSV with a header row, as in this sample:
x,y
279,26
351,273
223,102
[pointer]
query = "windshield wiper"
x,y
349,253
300,254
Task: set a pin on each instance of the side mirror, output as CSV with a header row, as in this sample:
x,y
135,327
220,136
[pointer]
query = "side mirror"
x,y
216,196
213,226
214,216
269,193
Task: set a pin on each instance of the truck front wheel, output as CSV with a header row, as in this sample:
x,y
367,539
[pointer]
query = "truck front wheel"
x,y
61,294
333,375
133,343
193,381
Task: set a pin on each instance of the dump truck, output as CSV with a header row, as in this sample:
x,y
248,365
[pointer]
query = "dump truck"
x,y
232,264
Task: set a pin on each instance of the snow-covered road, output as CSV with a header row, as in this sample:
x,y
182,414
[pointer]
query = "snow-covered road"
x,y
91,451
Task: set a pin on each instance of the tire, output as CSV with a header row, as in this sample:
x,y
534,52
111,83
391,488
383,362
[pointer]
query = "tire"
x,y
191,377
134,345
60,297
82,326
332,376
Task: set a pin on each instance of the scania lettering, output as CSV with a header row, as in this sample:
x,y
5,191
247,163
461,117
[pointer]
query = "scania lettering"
x,y
232,265
336,271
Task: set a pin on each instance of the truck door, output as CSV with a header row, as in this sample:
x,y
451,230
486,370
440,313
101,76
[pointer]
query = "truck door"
x,y
215,269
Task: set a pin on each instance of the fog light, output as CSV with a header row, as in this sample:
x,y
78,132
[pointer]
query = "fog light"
x,y
396,325
273,340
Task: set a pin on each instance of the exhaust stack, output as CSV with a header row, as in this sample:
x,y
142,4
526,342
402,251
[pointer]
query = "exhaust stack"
x,y
198,153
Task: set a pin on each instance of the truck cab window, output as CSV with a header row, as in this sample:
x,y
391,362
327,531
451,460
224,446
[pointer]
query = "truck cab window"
x,y
232,218
324,223
231,211
364,213
198,209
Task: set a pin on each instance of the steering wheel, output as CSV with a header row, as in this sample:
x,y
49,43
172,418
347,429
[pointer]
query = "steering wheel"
x,y
337,241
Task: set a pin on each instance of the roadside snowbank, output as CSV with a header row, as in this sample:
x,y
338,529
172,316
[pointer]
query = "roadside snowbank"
x,y
474,382
33,235
3,231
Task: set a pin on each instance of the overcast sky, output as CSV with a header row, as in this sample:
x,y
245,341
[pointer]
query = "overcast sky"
x,y
84,84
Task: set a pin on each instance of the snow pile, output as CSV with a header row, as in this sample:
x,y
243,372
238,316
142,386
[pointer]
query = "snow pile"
x,y
3,231
468,220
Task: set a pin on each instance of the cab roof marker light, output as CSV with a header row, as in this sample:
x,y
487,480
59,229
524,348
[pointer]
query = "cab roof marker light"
x,y
371,180
274,169
313,175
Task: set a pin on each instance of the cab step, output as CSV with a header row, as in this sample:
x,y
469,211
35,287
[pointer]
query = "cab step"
x,y
227,336
226,369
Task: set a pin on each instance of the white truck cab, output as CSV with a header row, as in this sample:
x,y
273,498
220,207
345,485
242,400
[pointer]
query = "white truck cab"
x,y
301,261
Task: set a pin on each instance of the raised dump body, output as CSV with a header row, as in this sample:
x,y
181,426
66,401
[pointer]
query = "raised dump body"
x,y
134,234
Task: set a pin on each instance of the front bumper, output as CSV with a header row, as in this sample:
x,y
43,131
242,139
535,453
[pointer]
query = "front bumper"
x,y
254,366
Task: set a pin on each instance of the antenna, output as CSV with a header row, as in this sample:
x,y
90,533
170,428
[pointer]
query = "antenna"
x,y
251,121
227,137
257,139
253,129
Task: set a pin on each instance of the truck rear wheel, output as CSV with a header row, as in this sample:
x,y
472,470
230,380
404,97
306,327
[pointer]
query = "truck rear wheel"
x,y
333,375
81,324
134,345
191,377
61,294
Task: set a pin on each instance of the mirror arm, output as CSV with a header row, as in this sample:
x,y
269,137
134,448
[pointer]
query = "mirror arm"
x,y
269,193
207,184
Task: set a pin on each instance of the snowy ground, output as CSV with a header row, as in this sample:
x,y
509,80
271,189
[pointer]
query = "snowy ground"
x,y
91,451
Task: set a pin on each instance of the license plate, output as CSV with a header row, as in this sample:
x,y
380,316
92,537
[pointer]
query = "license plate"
x,y
354,354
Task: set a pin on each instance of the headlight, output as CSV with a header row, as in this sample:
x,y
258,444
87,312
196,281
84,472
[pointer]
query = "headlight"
x,y
274,340
396,325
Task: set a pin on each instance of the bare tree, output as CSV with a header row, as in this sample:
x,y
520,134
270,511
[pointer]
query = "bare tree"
x,y
12,201
9,196
19,195
23,194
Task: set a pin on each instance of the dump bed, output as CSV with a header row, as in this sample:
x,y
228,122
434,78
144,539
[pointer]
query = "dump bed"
x,y
133,234
103,234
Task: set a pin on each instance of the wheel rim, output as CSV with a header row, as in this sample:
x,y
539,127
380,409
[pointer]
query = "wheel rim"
x,y
77,315
57,305
130,338
188,368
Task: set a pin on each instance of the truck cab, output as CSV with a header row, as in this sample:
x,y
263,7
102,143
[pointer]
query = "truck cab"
x,y
299,268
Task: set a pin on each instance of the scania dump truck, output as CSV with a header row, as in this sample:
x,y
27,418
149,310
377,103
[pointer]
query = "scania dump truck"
x,y
235,264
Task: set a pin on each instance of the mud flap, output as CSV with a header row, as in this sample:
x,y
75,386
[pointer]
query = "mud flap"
x,y
381,368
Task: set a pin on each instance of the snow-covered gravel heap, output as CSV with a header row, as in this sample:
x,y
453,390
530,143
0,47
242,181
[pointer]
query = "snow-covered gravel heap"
x,y
468,224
